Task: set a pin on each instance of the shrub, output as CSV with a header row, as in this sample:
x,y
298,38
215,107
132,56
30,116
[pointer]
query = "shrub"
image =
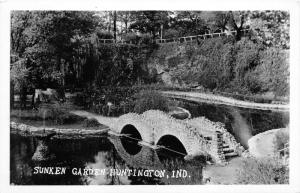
x,y
130,37
150,99
145,38
83,99
66,118
171,33
56,113
247,58
104,34
273,72
263,171
91,123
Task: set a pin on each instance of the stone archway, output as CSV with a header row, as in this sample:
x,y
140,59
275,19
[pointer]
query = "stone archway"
x,y
130,141
171,147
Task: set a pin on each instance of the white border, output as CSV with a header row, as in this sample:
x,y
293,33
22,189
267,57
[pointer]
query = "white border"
x,y
290,5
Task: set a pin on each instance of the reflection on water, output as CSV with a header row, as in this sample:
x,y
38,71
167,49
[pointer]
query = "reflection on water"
x,y
95,153
115,153
241,122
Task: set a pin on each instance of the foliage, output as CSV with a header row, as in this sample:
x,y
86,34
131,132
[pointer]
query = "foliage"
x,y
247,58
91,123
101,34
149,99
171,33
145,39
55,49
149,21
59,116
130,37
19,74
273,72
224,64
189,23
44,40
271,28
263,171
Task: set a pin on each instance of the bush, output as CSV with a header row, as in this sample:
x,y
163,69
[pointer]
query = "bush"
x,y
104,34
130,37
82,99
56,113
145,39
66,118
273,72
263,171
91,123
150,99
171,33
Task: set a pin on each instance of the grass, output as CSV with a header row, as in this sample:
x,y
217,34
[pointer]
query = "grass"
x,y
263,171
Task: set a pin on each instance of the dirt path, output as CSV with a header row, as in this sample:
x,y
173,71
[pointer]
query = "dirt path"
x,y
217,99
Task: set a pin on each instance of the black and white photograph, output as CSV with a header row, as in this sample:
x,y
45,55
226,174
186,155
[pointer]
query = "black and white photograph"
x,y
149,97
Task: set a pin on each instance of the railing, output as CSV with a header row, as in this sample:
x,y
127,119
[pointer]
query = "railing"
x,y
284,154
180,39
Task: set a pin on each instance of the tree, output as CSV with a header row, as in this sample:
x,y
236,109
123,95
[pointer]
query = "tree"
x,y
149,21
19,80
237,21
219,21
125,17
271,28
44,40
273,72
189,23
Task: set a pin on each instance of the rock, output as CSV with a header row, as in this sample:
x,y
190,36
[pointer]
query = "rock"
x,y
262,144
42,152
180,113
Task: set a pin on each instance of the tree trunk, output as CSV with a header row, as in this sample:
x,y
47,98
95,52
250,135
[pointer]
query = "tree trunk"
x,y
109,22
32,99
115,25
12,95
23,97
238,34
126,26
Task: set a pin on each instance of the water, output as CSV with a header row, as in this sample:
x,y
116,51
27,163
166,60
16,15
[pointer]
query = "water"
x,y
95,153
243,123
115,153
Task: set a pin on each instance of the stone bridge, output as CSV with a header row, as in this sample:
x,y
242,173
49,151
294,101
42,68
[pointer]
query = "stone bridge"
x,y
190,137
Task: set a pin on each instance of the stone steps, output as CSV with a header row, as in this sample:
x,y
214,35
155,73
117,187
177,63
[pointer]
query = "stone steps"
x,y
232,154
225,146
227,150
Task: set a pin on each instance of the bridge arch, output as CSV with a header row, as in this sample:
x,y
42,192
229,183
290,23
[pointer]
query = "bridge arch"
x,y
143,159
131,130
132,123
130,141
172,147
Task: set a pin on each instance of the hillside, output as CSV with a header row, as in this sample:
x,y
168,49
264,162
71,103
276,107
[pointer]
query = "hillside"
x,y
222,64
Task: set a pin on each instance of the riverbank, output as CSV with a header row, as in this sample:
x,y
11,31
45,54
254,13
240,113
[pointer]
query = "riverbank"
x,y
29,130
218,99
